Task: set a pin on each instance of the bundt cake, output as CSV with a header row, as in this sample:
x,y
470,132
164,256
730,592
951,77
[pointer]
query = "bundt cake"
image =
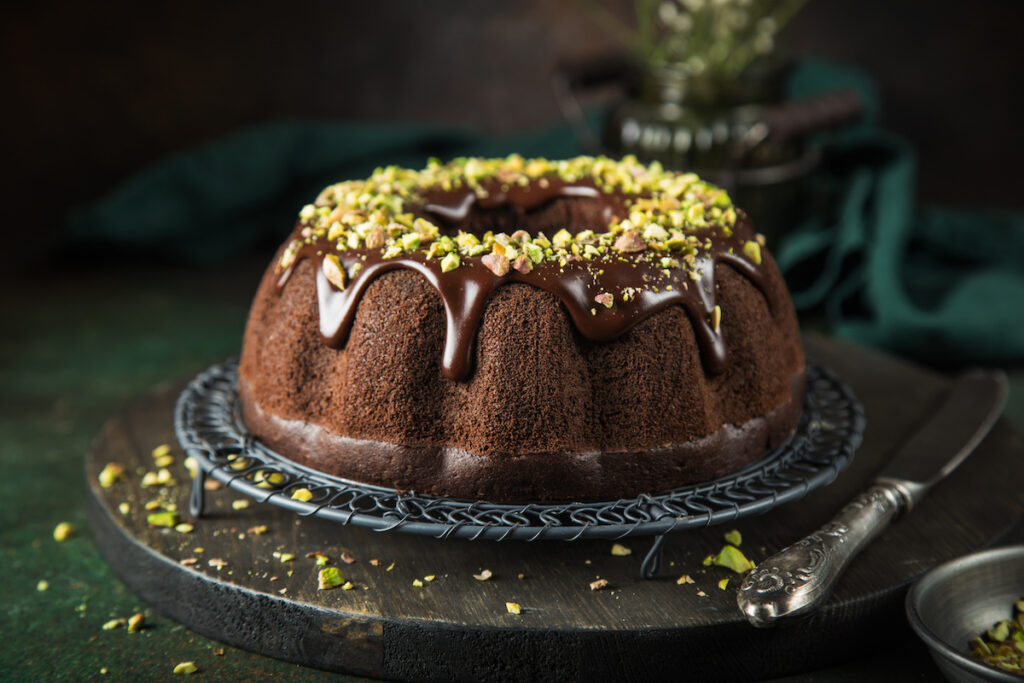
x,y
523,329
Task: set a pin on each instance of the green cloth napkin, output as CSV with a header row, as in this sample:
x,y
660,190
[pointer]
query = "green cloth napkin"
x,y
207,204
946,287
941,286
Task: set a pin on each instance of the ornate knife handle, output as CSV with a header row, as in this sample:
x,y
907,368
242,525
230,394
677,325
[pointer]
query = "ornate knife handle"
x,y
800,577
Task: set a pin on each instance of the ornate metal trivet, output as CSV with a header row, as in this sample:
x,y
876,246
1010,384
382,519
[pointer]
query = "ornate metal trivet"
x,y
208,423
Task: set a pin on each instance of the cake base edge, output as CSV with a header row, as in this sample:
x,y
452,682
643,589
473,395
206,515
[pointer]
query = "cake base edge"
x,y
456,473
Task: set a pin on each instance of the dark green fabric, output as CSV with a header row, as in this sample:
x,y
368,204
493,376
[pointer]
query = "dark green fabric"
x,y
939,285
206,204
936,285
942,286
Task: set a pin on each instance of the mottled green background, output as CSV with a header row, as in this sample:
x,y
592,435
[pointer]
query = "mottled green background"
x,y
74,349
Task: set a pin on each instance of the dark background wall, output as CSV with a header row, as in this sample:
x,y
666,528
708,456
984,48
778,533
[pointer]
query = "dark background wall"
x,y
96,93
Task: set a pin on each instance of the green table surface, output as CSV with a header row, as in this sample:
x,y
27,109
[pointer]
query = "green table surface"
x,y
75,346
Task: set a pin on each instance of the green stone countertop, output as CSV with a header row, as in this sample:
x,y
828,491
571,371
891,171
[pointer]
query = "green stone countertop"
x,y
74,348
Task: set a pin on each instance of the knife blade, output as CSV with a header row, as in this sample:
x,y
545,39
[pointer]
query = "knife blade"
x,y
799,578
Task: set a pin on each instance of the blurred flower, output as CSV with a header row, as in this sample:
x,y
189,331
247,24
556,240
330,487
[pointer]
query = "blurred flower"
x,y
714,39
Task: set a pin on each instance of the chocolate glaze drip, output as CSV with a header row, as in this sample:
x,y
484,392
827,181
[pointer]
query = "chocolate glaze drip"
x,y
464,292
455,205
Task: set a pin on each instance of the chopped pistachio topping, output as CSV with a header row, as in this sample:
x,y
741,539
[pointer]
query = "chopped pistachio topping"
x,y
110,474
268,480
620,550
418,583
753,251
305,495
161,477
43,585
733,537
629,242
162,519
999,632
334,271
185,668
450,263
124,508
669,213
513,608
114,623
135,622
685,578
716,318
238,463
239,504
496,263
733,558
161,450
1002,645
723,583
562,239
329,577
63,532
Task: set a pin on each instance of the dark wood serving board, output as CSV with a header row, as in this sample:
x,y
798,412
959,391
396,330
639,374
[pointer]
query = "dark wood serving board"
x,y
457,628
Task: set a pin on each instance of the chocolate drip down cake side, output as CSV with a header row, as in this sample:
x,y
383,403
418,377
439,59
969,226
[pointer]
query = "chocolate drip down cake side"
x,y
523,329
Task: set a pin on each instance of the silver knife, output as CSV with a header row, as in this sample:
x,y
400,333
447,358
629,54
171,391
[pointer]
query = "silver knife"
x,y
799,578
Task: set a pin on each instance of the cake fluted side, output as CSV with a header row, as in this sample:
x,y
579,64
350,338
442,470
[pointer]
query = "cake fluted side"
x,y
538,389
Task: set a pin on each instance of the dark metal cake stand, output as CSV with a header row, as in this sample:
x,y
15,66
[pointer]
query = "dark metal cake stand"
x,y
456,627
207,419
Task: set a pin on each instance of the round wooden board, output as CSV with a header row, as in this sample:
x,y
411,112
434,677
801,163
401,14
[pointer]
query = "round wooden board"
x,y
457,628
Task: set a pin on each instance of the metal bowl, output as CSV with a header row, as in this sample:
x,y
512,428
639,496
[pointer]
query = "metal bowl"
x,y
958,600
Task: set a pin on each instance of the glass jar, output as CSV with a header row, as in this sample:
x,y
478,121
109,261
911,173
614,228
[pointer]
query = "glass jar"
x,y
712,129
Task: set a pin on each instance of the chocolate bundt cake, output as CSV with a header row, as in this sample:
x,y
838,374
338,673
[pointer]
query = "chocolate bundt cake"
x,y
523,329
